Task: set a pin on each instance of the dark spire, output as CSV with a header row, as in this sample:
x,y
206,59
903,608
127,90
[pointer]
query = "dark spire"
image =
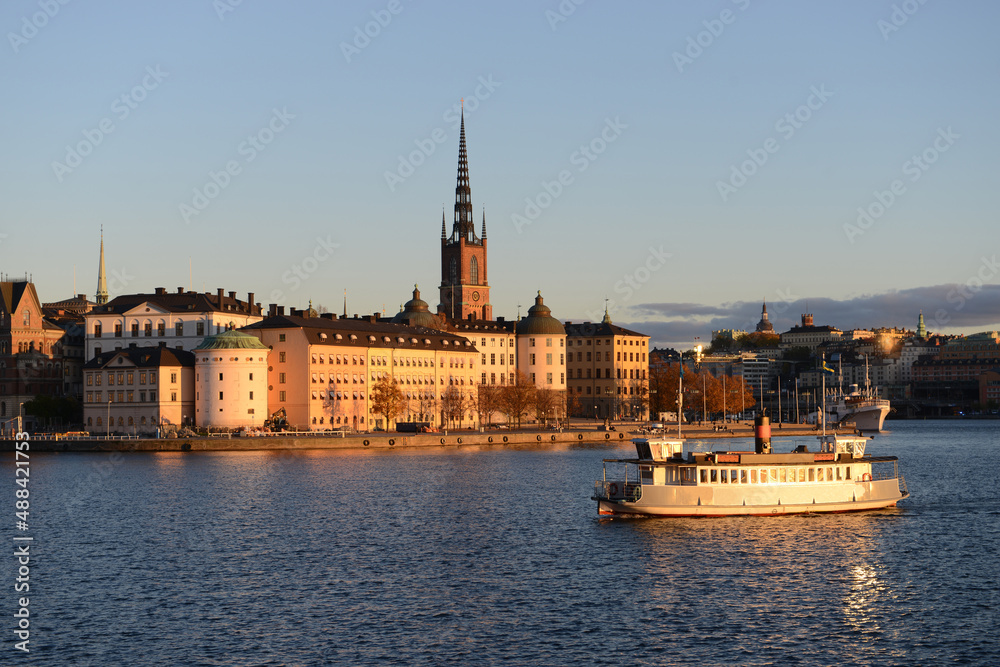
x,y
463,226
102,281
444,232
484,223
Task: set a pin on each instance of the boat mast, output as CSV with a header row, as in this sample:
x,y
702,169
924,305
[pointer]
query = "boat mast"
x,y
822,374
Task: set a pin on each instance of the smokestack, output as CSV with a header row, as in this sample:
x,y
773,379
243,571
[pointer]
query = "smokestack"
x,y
250,302
762,434
180,290
220,292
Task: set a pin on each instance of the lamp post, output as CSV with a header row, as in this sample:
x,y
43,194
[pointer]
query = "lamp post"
x,y
109,415
724,419
20,419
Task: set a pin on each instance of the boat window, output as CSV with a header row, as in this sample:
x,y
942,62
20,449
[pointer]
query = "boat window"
x,y
714,476
847,472
812,474
783,475
840,473
802,474
704,476
820,475
774,476
724,476
753,476
743,476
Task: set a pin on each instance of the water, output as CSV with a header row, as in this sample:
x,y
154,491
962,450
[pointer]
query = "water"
x,y
488,556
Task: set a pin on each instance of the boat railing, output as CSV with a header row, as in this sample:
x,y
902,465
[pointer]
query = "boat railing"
x,y
617,490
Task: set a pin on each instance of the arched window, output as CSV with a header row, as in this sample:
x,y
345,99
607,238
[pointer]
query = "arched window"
x,y
454,271
474,271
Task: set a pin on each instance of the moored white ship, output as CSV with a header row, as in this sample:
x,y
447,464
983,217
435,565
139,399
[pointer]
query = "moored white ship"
x,y
662,481
864,409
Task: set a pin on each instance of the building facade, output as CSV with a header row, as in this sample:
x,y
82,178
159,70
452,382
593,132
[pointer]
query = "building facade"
x,y
179,320
321,370
138,390
231,381
608,370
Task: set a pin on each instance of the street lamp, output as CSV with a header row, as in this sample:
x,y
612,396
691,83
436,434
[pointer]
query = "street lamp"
x,y
109,415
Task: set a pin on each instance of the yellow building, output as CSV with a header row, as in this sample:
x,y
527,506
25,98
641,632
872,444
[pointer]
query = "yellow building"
x,y
608,369
321,370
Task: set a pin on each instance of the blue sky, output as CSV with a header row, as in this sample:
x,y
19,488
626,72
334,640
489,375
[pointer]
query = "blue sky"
x,y
712,154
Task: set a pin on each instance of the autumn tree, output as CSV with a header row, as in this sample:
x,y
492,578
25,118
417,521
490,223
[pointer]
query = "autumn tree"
x,y
387,399
454,404
517,397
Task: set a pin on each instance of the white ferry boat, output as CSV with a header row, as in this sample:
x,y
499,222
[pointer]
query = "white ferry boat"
x,y
862,408
662,481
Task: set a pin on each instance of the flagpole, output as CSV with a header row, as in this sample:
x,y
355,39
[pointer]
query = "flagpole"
x,y
822,373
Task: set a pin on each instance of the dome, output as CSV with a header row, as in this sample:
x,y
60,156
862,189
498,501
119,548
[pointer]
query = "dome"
x,y
539,321
231,340
417,313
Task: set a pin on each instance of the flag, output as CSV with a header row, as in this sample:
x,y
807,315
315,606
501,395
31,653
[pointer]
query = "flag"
x,y
682,369
827,369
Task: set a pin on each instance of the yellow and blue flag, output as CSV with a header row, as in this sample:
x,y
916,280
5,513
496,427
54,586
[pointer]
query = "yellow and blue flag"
x,y
827,369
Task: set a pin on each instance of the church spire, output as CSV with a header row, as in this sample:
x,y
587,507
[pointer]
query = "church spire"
x,y
463,225
483,235
102,280
921,328
444,233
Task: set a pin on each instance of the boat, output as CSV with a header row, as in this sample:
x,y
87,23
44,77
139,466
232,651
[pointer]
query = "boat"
x,y
664,481
861,407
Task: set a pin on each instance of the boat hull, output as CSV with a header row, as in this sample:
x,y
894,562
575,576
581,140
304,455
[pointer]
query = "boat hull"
x,y
866,419
708,501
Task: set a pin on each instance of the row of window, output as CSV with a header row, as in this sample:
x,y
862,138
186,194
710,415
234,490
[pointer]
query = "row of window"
x,y
121,422
126,397
619,356
147,329
548,342
633,374
548,378
639,343
548,359
774,475
626,391
503,359
125,378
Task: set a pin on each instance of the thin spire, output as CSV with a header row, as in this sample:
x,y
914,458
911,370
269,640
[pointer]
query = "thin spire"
x,y
483,235
607,316
345,302
463,224
444,232
102,280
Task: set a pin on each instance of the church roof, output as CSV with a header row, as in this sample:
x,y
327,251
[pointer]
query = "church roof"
x,y
539,321
231,340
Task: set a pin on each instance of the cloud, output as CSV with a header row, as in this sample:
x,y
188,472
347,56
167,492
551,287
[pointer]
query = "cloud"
x,y
948,308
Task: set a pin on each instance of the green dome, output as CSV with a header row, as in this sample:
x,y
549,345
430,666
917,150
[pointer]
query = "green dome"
x,y
539,321
231,340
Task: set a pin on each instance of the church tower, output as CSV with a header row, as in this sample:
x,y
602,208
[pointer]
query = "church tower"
x,y
465,292
102,281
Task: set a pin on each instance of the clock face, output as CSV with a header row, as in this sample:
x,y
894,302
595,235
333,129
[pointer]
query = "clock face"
x,y
475,296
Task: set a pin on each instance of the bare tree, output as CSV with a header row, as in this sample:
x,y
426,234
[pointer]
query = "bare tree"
x,y
488,402
387,399
517,398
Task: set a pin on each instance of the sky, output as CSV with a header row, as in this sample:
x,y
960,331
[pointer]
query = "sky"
x,y
684,161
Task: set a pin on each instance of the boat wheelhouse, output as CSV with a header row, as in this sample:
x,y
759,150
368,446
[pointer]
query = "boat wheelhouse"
x,y
662,481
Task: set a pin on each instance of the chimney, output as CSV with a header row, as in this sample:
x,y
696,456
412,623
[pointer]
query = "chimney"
x,y
180,290
281,310
220,292
250,302
232,295
272,309
328,316
160,290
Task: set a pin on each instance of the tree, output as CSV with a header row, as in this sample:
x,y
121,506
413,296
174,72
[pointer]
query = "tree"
x,y
387,399
488,402
453,404
517,397
546,404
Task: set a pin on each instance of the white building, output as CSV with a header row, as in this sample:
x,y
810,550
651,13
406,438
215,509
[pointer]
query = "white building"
x,y
541,347
231,381
178,320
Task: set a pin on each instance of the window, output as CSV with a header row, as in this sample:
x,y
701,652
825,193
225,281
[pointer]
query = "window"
x,y
173,378
474,271
281,357
135,329
152,377
161,329
453,271
27,317
220,395
142,397
281,396
531,342
147,329
179,329
548,378
531,358
199,328
173,396
281,378
118,329
111,379
548,358
130,397
121,378
97,330
90,380
131,377
493,359
512,360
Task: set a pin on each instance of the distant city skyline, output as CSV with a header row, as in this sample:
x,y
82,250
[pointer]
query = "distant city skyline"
x,y
684,162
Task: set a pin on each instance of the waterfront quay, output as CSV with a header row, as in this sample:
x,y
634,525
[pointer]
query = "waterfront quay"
x,y
383,440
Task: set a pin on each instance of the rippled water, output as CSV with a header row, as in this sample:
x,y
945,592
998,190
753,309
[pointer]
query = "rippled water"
x,y
485,556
